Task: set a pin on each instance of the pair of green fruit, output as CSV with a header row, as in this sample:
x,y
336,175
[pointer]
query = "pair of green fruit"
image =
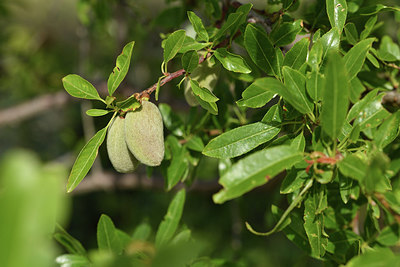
x,y
137,138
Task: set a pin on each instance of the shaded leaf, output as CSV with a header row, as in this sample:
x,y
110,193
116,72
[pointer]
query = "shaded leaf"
x,y
286,33
240,140
107,237
190,60
314,85
354,167
388,131
169,225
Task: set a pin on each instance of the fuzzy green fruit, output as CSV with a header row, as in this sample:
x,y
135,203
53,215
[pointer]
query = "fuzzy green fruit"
x,y
121,158
144,134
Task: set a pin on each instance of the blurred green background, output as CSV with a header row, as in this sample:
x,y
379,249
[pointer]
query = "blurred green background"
x,y
42,41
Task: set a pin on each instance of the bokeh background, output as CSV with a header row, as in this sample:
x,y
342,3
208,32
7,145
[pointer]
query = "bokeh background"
x,y
41,41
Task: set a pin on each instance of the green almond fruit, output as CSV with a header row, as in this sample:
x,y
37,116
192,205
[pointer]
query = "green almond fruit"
x,y
206,74
144,134
121,158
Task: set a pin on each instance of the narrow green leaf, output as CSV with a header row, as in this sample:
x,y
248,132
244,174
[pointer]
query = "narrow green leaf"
x,y
230,26
371,114
353,167
315,55
375,9
209,106
190,60
294,179
369,26
231,62
179,163
388,50
355,57
255,170
173,44
356,89
314,85
299,142
273,115
330,41
286,33
314,225
204,93
337,13
388,131
76,86
351,33
107,238
198,26
71,244
97,112
261,50
296,86
257,94
169,225
195,143
85,159
142,232
121,68
240,140
335,97
297,55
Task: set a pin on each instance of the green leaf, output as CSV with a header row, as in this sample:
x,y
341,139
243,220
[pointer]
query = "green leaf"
x,y
231,62
70,260
388,131
345,186
374,9
190,60
390,235
294,180
121,68
255,170
169,225
203,93
369,26
142,232
97,112
315,55
375,257
78,87
299,142
129,104
240,140
330,41
356,88
257,94
173,44
353,167
286,33
335,97
107,238
261,50
195,143
198,26
372,114
314,225
297,55
296,86
190,44
230,26
388,50
209,106
355,57
351,33
179,163
314,85
71,244
171,120
85,159
337,12
273,115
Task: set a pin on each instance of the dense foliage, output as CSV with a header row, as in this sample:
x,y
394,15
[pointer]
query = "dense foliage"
x,y
299,93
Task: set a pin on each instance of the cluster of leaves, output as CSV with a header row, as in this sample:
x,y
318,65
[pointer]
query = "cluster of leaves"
x,y
328,123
